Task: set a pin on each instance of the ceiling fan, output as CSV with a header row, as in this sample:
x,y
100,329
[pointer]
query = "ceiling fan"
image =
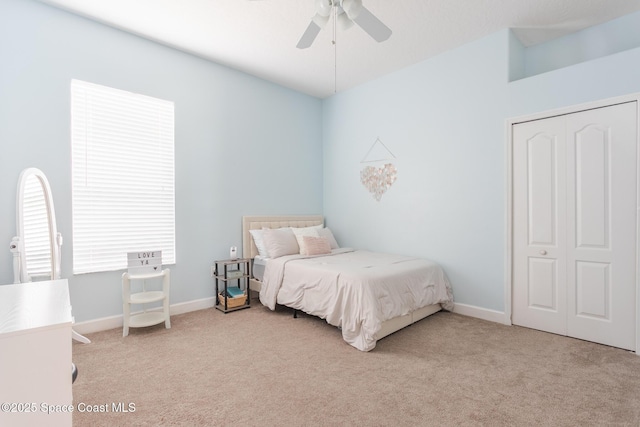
x,y
346,13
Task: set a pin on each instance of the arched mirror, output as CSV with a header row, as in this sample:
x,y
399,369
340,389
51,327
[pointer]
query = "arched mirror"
x,y
36,248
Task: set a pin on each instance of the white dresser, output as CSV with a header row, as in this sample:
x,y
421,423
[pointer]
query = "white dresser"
x,y
35,354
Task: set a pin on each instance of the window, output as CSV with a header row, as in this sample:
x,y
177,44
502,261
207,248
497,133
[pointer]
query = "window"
x,y
122,147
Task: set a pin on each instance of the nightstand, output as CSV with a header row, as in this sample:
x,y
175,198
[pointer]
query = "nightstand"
x,y
146,318
232,273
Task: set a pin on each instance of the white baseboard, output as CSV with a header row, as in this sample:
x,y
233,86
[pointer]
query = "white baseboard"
x,y
481,313
195,305
113,322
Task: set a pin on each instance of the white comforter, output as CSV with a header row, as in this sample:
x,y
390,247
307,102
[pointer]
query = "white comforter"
x,y
355,290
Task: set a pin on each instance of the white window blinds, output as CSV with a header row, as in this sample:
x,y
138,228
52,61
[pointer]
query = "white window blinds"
x,y
122,177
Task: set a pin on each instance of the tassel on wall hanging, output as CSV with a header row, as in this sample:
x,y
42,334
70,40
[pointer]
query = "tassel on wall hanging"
x,y
378,179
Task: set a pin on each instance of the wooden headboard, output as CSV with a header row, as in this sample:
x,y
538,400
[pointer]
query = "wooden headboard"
x,y
258,222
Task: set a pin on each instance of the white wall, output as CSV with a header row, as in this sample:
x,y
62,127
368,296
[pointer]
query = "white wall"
x,y
243,145
444,120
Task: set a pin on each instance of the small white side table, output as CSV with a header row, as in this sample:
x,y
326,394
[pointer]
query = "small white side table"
x,y
146,318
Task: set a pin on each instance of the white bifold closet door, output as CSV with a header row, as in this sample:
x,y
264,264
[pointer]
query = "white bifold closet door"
x,y
574,225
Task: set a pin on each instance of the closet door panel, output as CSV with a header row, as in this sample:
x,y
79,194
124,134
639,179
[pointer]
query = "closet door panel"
x,y
601,225
542,191
542,284
592,179
539,263
593,290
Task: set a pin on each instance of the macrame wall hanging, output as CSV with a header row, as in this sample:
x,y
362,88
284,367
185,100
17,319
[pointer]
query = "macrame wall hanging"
x,y
379,172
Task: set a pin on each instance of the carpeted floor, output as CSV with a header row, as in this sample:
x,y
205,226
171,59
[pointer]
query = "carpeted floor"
x,y
260,368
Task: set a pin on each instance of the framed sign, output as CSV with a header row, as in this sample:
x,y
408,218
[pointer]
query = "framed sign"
x,y
145,262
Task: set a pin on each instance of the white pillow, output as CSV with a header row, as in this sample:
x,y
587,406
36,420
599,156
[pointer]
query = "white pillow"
x,y
280,242
258,239
326,232
306,231
315,246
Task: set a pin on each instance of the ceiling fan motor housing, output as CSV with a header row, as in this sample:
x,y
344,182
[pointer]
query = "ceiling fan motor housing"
x,y
347,12
351,7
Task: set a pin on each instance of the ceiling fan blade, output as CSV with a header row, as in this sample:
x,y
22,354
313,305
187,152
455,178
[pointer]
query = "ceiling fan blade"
x,y
309,36
372,25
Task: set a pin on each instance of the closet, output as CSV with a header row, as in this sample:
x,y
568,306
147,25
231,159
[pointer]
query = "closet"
x,y
574,216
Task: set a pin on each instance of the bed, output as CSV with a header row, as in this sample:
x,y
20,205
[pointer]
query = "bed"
x,y
367,295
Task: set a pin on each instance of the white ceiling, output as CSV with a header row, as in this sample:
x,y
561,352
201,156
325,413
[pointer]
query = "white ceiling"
x,y
259,37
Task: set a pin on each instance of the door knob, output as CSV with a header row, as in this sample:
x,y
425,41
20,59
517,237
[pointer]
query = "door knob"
x,y
543,252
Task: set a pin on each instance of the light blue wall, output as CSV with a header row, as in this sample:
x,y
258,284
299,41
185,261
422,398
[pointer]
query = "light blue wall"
x,y
242,145
591,43
600,78
444,120
238,138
